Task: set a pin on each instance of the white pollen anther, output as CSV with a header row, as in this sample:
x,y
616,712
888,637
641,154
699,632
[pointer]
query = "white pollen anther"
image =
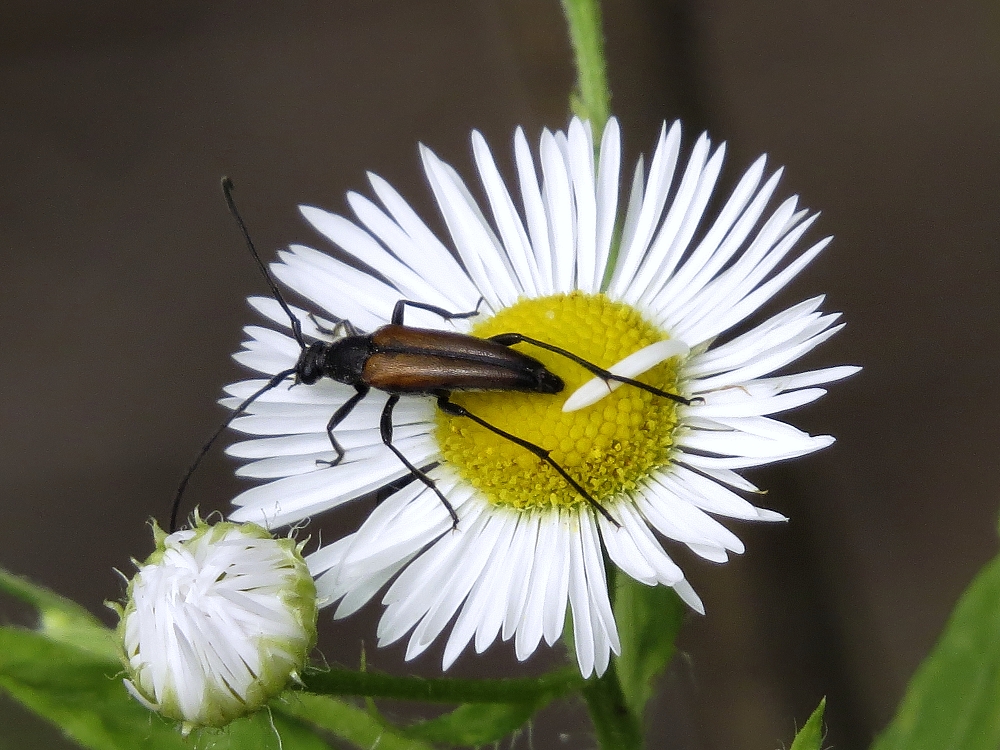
x,y
631,367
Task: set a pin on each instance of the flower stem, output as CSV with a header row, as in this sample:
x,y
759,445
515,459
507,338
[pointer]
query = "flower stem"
x,y
617,728
440,690
592,99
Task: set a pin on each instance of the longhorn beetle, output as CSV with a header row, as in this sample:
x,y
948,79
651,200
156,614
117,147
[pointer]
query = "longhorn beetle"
x,y
400,360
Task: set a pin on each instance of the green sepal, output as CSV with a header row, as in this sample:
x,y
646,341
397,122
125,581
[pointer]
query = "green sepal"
x,y
953,701
810,737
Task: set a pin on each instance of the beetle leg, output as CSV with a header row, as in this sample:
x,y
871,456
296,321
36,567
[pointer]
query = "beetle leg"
x,y
509,339
339,324
397,311
448,406
385,427
338,416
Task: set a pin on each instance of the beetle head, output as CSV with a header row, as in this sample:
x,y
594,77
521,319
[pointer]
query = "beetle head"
x,y
309,368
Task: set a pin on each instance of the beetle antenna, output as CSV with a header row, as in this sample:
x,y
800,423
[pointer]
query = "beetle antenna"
x,y
227,190
274,381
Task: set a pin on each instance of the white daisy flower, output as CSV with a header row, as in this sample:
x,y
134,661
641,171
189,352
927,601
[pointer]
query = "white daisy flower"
x,y
217,621
527,542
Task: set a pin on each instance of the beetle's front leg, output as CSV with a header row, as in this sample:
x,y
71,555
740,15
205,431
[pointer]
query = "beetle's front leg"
x,y
339,324
339,416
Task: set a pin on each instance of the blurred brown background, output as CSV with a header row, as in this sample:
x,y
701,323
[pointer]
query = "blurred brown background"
x,y
124,279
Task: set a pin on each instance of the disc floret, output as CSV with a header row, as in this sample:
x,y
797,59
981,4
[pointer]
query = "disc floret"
x,y
609,447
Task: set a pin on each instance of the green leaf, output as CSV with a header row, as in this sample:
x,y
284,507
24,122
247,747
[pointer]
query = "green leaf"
x,y
810,737
83,694
264,730
953,701
475,724
648,618
343,720
79,691
62,619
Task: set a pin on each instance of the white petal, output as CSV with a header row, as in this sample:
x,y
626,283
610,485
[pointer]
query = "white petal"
x,y
708,463
364,247
534,212
720,244
661,171
559,208
605,630
557,591
450,287
292,498
634,549
689,597
633,209
475,618
512,232
579,600
607,199
711,496
432,250
530,626
581,167
681,220
631,367
476,244
763,366
521,561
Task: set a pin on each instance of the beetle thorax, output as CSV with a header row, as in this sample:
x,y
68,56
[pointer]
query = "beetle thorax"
x,y
342,360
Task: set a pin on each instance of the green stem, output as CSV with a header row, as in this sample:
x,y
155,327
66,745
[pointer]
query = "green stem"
x,y
440,690
617,728
592,99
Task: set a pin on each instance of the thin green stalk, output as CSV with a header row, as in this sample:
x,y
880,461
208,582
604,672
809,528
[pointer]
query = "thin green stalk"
x,y
440,690
592,98
616,727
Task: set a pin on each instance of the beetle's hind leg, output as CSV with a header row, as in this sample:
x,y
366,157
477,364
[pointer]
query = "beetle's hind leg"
x,y
448,406
398,310
509,339
385,427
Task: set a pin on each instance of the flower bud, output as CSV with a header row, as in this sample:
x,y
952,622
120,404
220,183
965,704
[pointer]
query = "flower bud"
x,y
217,621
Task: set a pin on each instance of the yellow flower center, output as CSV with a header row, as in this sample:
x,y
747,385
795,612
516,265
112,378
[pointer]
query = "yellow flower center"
x,y
608,447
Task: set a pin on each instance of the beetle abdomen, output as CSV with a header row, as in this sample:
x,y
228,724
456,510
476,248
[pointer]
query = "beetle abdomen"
x,y
406,372
416,360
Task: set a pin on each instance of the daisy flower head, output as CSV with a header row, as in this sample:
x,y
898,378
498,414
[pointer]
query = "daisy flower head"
x,y
216,622
640,284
